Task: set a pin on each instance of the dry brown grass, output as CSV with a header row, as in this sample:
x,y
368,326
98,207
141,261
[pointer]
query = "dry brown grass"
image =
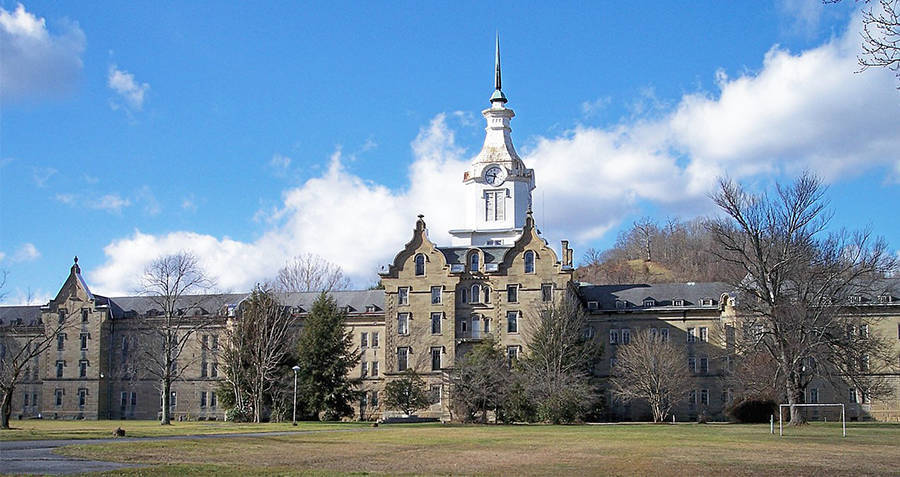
x,y
529,450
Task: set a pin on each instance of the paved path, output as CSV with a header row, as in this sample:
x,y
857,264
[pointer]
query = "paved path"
x,y
38,457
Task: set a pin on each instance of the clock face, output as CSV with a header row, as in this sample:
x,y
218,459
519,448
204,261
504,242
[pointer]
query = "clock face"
x,y
494,175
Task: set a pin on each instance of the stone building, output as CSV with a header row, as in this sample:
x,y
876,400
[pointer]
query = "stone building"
x,y
438,300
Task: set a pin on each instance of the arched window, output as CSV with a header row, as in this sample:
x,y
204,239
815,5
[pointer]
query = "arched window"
x,y
464,295
529,262
487,294
476,293
420,264
473,262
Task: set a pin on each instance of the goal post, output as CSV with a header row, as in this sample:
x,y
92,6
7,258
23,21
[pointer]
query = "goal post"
x,y
781,416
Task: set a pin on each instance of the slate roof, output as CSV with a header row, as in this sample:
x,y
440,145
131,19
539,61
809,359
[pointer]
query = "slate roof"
x,y
29,314
128,306
357,300
663,294
492,253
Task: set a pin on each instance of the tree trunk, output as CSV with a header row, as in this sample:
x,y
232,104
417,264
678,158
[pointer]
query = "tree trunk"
x,y
165,419
6,408
795,396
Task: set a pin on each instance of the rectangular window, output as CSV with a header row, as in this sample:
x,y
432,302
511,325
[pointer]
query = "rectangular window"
x,y
813,395
84,341
61,316
512,293
133,399
436,323
692,399
512,321
494,205
59,368
403,296
512,354
202,398
59,397
60,341
25,400
374,369
82,397
614,336
212,399
124,401
215,343
374,399
704,334
692,364
436,359
691,335
664,335
84,316
435,394
626,336
82,369
654,333
402,358
436,295
403,323
203,369
374,339
214,370
363,369
364,340
704,397
124,347
853,398
704,365
864,331
546,292
173,399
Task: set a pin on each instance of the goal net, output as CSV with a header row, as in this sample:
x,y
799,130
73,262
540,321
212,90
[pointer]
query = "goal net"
x,y
815,412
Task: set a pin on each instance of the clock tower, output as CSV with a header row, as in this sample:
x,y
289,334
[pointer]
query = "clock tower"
x,y
497,184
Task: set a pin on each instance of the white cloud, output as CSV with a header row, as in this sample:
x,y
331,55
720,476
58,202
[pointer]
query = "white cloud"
x,y
279,165
800,110
131,91
42,174
189,204
110,203
803,16
27,296
151,205
2,256
26,253
36,62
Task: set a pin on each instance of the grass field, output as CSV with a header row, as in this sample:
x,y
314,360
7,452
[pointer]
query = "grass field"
x,y
638,449
49,429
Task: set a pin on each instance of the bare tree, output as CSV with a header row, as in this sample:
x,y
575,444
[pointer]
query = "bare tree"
x,y
258,342
652,370
880,36
176,286
558,362
480,381
309,272
646,230
21,344
795,284
4,292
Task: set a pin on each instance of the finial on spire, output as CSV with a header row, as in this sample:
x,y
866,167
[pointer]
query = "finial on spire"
x,y
498,83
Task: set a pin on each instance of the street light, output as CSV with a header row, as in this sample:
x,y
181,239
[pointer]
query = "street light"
x,y
295,368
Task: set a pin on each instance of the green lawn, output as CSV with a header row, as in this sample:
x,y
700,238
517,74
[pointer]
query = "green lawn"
x,y
638,449
49,429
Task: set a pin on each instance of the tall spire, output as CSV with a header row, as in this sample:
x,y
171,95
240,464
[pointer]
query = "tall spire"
x,y
498,95
497,82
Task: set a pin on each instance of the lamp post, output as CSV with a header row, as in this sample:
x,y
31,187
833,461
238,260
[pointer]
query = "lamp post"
x,y
295,368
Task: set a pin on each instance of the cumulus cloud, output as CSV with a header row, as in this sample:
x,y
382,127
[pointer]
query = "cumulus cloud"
x,y
36,62
26,253
805,110
129,90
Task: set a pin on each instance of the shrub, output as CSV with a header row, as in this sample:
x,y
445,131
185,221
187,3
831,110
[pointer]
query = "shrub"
x,y
752,410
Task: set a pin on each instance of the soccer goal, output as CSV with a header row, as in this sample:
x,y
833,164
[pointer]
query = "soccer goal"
x,y
781,414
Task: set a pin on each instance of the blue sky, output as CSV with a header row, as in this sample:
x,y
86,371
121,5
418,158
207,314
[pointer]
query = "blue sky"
x,y
252,133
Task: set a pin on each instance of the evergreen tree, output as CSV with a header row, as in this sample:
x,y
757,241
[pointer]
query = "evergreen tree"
x,y
326,356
